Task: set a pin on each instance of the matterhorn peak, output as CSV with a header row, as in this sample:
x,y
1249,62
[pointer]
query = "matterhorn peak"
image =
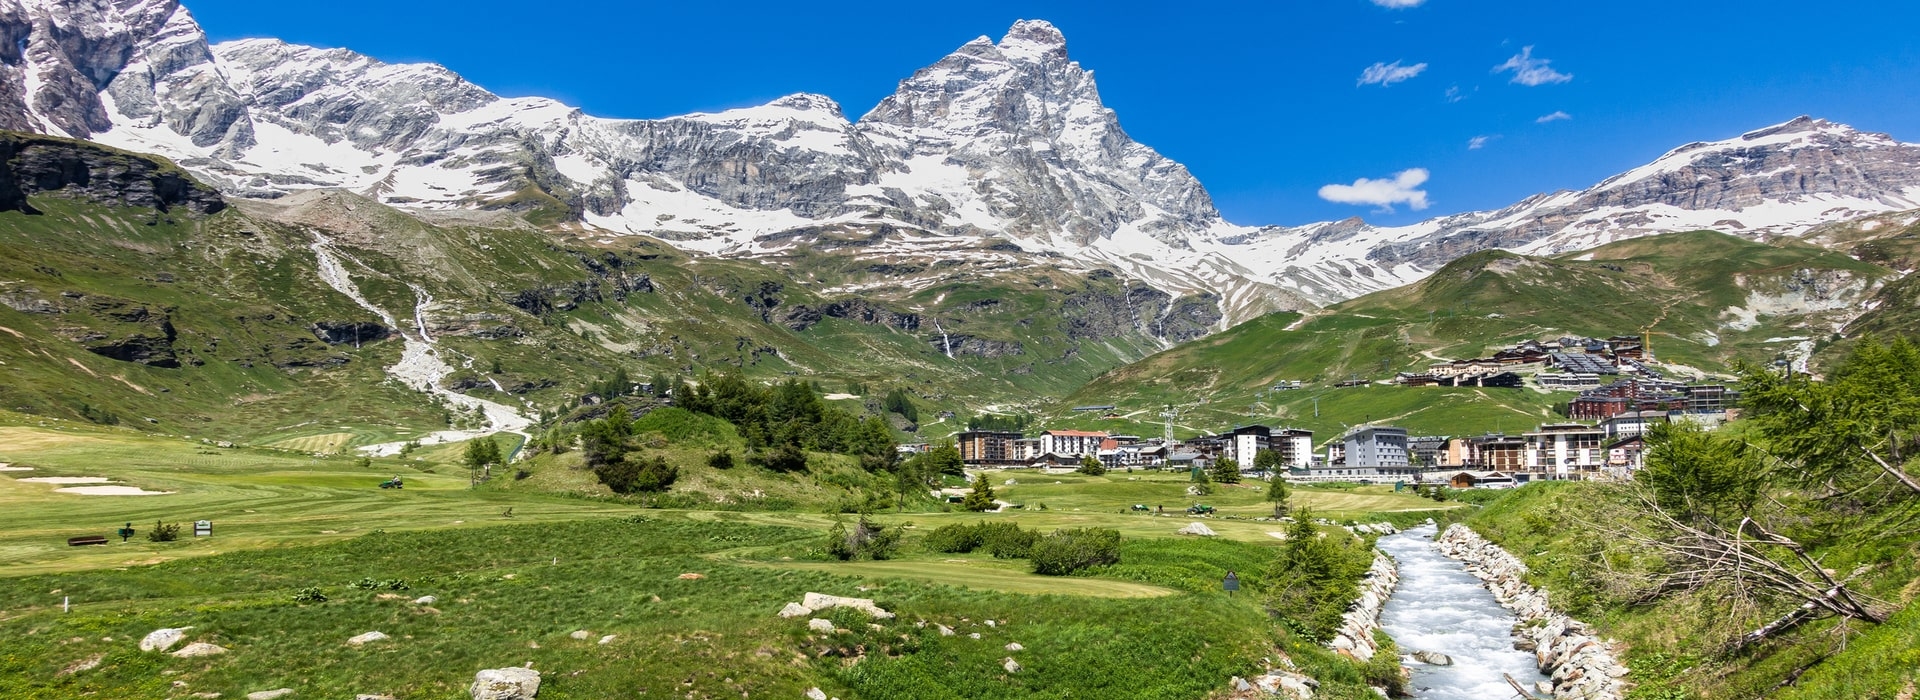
x,y
1034,39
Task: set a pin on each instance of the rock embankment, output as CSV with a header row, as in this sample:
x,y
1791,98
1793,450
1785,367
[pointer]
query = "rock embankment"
x,y
1581,664
1355,635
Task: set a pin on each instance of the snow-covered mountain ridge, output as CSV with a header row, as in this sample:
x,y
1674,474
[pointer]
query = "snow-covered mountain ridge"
x,y
1003,140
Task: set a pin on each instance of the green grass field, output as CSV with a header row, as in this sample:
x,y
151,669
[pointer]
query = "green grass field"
x,y
511,590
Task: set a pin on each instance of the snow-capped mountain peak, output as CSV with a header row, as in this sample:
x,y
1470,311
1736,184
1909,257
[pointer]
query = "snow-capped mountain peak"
x,y
996,140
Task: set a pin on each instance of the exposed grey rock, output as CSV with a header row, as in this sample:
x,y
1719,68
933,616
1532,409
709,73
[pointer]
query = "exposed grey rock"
x,y
197,649
510,683
274,694
163,639
367,638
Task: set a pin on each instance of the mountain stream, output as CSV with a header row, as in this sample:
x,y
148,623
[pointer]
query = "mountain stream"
x,y
1439,607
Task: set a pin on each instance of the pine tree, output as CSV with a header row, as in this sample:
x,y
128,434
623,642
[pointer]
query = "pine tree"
x,y
1277,494
1226,471
1091,466
981,497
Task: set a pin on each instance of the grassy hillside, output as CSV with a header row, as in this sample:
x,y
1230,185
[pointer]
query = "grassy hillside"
x,y
1703,298
1675,643
221,325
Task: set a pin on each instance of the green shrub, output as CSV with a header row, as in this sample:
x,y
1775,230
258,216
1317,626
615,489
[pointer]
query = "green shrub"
x,y
866,540
1066,551
721,460
954,539
1007,540
637,475
309,594
163,532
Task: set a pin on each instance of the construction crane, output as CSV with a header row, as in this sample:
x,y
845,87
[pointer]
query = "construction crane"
x,y
1168,415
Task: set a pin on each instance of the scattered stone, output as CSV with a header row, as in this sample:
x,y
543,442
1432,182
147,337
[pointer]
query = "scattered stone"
x,y
205,696
1015,646
505,684
274,694
199,649
795,610
1432,658
816,694
991,623
1240,685
821,601
975,635
83,665
1200,529
370,696
425,600
692,577
945,631
163,639
607,639
1010,665
358,640
581,635
820,625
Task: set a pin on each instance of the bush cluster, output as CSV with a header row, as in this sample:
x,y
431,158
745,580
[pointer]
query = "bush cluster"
x,y
1002,540
163,532
1066,551
866,540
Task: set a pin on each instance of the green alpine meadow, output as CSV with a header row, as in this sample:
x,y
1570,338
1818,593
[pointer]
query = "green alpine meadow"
x,y
434,373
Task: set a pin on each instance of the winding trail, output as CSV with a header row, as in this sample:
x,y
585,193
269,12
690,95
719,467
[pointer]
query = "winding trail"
x,y
420,367
1439,607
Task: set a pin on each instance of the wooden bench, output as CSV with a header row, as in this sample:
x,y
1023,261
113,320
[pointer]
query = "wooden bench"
x,y
86,540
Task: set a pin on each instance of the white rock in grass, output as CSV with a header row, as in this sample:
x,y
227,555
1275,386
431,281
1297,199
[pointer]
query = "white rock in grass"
x,y
1015,646
975,635
581,635
505,684
199,649
820,625
607,639
816,694
821,601
945,631
795,610
163,639
358,640
1200,529
1010,665
991,623
274,694
425,600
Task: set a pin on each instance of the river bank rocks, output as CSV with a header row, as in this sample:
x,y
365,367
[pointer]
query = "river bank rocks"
x,y
1355,635
1581,665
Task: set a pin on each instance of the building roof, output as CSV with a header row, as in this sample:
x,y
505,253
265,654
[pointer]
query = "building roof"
x,y
1587,364
1074,433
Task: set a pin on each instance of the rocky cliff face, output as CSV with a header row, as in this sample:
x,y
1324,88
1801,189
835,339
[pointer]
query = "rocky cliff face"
x,y
999,140
31,165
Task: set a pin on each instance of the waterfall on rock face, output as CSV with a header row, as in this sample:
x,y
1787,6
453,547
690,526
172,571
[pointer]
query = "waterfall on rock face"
x,y
944,341
1440,608
420,367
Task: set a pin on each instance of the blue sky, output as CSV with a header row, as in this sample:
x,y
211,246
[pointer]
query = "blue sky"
x,y
1263,101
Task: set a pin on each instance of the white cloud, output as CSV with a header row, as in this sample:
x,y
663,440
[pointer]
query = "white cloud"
x,y
1402,188
1399,4
1384,74
1530,71
1478,142
1555,117
1454,94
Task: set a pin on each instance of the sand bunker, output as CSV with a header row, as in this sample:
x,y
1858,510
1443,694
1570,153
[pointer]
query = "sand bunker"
x,y
68,480
4,467
111,491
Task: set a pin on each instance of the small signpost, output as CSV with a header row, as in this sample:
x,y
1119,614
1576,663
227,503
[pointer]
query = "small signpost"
x,y
202,528
1231,584
126,532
